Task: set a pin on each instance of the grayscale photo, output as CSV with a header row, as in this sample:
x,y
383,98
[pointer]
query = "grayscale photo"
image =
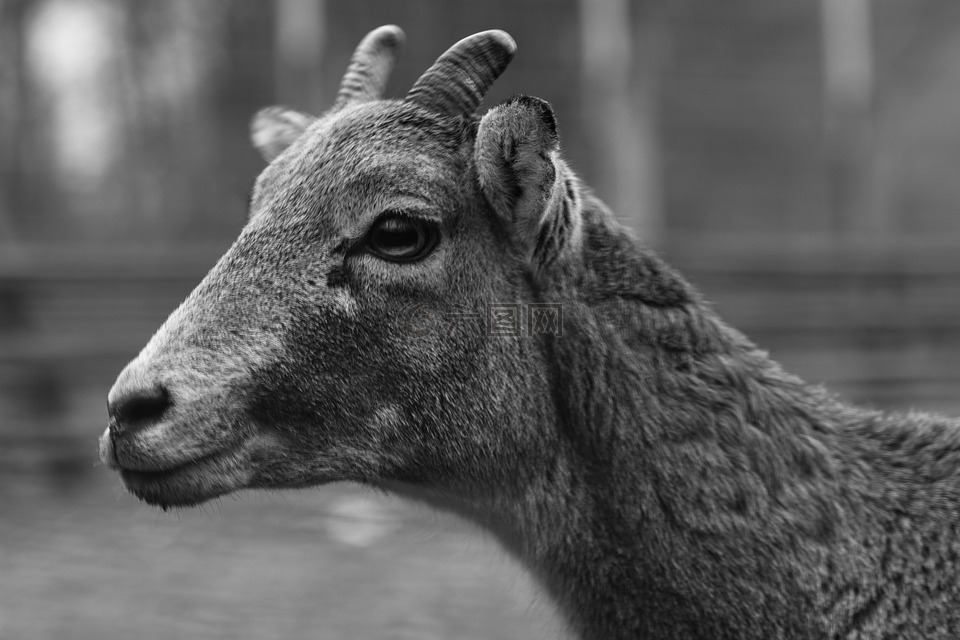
x,y
447,319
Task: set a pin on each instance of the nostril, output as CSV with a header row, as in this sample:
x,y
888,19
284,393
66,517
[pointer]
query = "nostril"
x,y
138,408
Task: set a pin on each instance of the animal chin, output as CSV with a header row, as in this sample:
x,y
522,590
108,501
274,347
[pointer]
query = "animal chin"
x,y
192,482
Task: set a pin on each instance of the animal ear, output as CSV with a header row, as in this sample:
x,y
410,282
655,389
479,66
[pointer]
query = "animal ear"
x,y
275,128
526,181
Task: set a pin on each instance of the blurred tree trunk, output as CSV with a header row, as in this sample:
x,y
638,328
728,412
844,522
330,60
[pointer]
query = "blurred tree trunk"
x,y
848,60
167,63
11,79
14,123
621,89
300,36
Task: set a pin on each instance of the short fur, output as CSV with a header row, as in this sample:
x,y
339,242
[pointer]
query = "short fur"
x,y
660,474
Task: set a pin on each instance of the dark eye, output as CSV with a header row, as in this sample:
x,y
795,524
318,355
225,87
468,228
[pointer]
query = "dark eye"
x,y
400,238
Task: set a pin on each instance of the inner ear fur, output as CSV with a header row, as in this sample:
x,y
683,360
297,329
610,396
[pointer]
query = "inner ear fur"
x,y
275,128
524,178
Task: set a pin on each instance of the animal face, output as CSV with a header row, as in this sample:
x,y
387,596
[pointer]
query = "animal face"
x,y
342,336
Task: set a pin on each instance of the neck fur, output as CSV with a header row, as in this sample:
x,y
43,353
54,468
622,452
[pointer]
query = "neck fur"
x,y
662,509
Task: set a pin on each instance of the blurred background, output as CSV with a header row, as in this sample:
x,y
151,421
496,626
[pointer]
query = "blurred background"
x,y
798,160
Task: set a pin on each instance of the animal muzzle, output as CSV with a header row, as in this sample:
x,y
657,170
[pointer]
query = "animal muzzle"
x,y
176,435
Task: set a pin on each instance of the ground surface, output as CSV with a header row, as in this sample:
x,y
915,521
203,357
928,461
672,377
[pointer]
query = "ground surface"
x,y
82,560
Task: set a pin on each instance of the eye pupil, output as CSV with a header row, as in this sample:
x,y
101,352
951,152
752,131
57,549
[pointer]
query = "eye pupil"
x,y
398,240
401,239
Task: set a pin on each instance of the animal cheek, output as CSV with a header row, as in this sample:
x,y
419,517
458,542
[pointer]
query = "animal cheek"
x,y
315,297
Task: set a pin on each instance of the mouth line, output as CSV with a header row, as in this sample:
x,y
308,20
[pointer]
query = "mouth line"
x,y
140,478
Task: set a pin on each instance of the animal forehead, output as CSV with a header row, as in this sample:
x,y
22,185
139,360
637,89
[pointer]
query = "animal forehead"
x,y
368,149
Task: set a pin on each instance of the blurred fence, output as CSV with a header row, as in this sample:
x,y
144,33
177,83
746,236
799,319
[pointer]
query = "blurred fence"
x,y
879,324
70,318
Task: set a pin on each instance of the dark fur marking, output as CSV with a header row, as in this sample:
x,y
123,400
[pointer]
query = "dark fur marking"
x,y
337,276
863,614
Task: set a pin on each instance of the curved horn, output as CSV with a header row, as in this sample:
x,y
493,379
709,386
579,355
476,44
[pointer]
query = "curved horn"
x,y
458,80
370,66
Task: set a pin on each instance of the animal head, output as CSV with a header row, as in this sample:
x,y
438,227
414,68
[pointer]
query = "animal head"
x,y
342,336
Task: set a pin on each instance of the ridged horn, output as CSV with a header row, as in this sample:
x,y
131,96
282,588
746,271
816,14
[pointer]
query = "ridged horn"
x,y
370,66
458,80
